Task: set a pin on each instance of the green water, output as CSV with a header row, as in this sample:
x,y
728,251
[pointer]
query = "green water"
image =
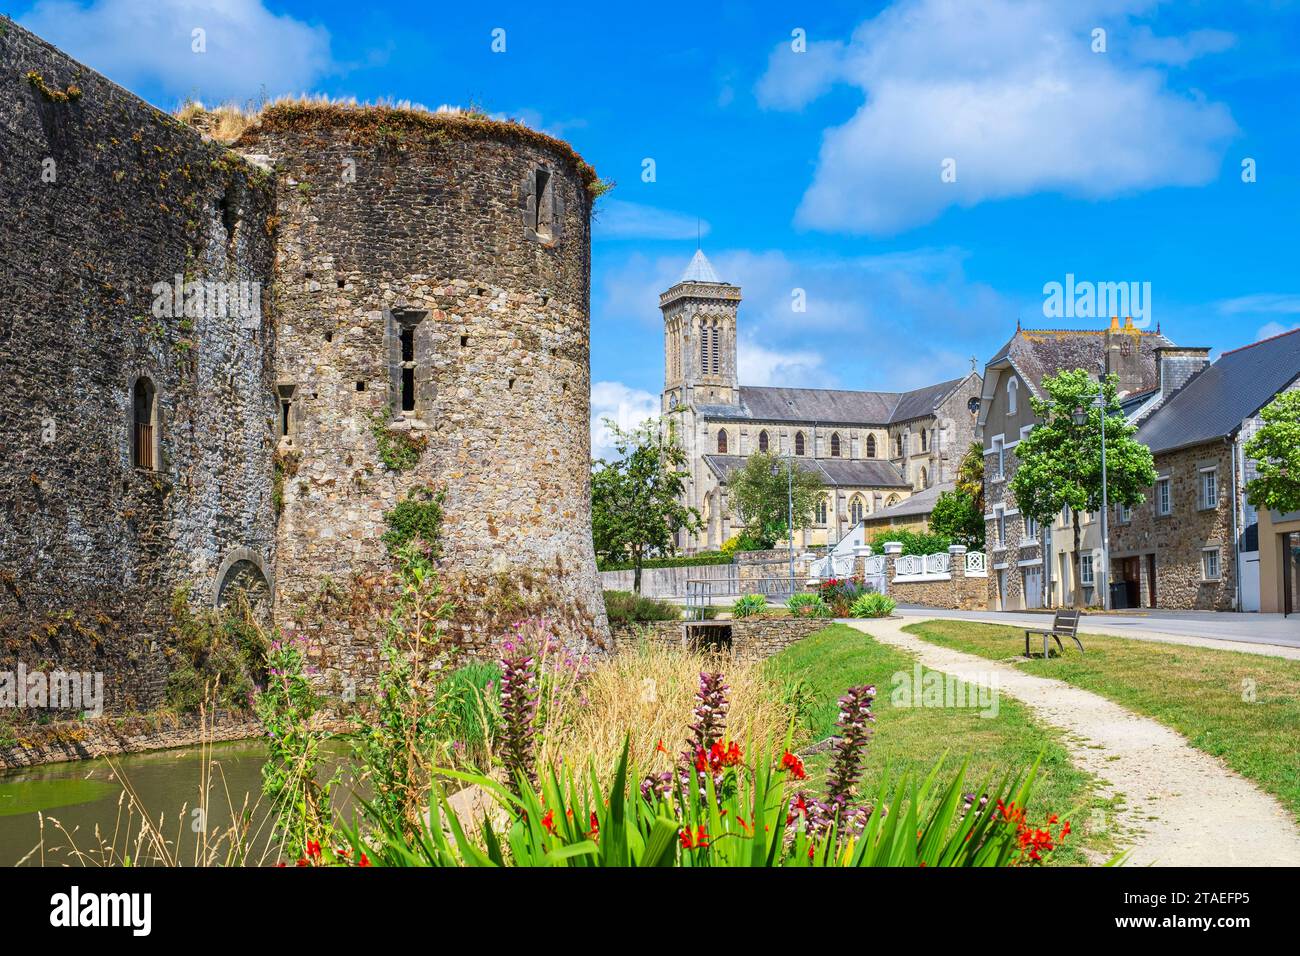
x,y
83,798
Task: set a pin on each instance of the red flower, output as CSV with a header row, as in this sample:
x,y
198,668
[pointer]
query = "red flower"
x,y
698,841
548,822
313,849
365,860
794,765
660,748
594,832
302,861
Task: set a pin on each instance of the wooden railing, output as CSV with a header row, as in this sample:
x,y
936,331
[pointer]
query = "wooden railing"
x,y
143,448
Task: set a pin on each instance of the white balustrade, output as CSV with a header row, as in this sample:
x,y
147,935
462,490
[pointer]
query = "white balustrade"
x,y
976,564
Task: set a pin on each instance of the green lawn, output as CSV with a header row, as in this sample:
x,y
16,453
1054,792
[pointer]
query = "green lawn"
x,y
1204,694
910,740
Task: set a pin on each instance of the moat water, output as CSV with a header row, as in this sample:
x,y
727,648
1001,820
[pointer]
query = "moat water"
x,y
82,805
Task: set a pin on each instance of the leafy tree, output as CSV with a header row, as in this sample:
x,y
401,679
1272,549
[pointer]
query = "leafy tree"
x,y
1059,462
760,495
636,500
959,514
1276,451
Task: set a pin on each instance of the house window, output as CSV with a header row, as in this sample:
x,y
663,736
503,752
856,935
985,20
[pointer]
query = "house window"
x,y
855,509
1210,564
798,443
762,441
1031,529
1085,570
871,446
144,420
1123,513
1164,497
821,510
1000,450
1000,529
1209,488
835,444
1013,391
722,442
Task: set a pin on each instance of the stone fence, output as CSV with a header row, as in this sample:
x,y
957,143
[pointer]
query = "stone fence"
x,y
956,580
744,638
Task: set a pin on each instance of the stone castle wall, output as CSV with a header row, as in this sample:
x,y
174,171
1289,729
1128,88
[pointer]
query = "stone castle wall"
x,y
474,243
101,197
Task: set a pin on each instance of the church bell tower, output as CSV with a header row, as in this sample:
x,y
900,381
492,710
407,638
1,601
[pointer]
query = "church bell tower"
x,y
700,338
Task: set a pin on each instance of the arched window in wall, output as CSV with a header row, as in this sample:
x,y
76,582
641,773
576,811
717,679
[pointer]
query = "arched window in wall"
x,y
704,347
924,479
835,444
762,440
822,504
144,424
714,356
722,442
871,446
798,443
925,439
855,509
1013,391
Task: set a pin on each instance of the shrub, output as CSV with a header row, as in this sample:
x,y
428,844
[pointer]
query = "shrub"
x,y
749,606
220,655
624,607
808,605
417,518
840,593
872,604
913,542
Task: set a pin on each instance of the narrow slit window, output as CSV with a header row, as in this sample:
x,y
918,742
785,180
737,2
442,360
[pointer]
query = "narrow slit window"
x,y
144,405
408,369
542,203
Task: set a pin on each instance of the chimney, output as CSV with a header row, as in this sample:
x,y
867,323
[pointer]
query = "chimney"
x,y
1178,365
1124,355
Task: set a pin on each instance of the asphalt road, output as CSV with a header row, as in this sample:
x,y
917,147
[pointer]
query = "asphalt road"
x,y
1211,625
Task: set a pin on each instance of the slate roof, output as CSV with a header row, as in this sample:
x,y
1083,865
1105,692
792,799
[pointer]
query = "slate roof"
x,y
700,270
1215,402
1038,353
832,406
921,503
834,472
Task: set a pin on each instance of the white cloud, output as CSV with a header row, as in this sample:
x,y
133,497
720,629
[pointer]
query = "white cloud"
x,y
1009,90
143,43
626,407
1284,303
1178,51
621,219
757,365
1270,329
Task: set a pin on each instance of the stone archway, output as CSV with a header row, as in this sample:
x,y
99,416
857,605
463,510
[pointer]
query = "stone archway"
x,y
243,574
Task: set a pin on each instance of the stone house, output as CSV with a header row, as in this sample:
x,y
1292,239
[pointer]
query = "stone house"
x,y
1194,543
1029,565
871,449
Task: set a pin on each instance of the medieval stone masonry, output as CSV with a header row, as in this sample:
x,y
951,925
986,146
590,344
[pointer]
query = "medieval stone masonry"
x,y
412,319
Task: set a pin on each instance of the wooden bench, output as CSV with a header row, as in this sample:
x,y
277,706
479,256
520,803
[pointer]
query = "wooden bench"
x,y
1064,624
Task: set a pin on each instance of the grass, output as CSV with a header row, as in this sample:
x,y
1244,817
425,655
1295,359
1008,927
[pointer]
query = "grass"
x,y
910,739
1201,692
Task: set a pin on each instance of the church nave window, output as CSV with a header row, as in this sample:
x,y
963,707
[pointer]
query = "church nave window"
x,y
871,446
798,443
722,442
855,509
821,510
835,444
762,441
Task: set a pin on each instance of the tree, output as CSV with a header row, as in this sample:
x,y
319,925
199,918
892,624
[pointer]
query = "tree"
x,y
1276,451
636,500
760,495
959,514
1059,462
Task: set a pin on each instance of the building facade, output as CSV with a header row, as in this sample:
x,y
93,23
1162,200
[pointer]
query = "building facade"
x,y
1030,565
870,449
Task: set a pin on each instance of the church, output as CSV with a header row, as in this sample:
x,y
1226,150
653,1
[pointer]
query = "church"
x,y
872,450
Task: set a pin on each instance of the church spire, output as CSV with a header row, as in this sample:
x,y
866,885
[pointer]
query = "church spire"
x,y
700,270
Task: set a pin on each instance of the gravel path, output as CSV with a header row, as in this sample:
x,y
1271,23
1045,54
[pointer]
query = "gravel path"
x,y
1182,807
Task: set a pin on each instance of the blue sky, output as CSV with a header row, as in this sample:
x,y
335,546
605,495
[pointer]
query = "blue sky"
x,y
819,169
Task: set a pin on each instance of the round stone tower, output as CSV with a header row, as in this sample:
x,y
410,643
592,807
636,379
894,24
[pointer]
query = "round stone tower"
x,y
432,296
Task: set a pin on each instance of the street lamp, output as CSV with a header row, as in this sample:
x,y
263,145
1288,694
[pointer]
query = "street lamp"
x,y
1080,417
